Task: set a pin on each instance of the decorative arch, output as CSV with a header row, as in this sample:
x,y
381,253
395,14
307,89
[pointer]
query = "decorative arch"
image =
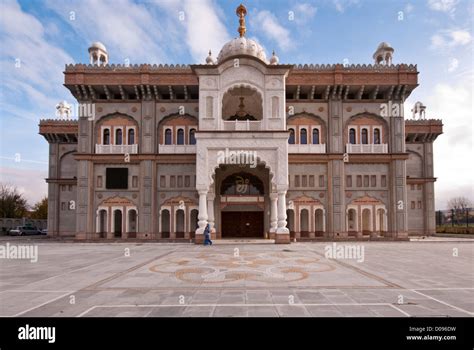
x,y
366,215
176,121
310,216
67,165
117,201
308,121
414,164
113,121
255,110
365,119
253,186
260,161
177,200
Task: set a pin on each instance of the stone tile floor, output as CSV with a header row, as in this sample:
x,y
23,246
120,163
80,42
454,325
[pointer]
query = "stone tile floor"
x,y
425,278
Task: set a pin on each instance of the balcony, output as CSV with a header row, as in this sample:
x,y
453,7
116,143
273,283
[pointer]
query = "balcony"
x,y
370,148
308,148
116,149
243,125
177,149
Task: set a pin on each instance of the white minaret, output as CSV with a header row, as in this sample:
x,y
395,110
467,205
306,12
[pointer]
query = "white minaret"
x,y
98,54
63,110
418,109
383,54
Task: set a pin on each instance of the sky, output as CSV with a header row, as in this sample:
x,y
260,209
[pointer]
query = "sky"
x,y
37,39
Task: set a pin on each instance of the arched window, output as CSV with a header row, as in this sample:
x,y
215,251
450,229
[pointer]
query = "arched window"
x,y
303,137
118,136
131,136
291,139
106,139
352,136
168,137
315,136
377,136
365,139
192,136
180,137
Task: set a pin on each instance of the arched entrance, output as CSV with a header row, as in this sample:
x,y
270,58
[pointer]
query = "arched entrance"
x,y
117,223
304,223
132,223
352,222
366,223
165,223
194,222
241,202
179,223
290,222
319,223
103,223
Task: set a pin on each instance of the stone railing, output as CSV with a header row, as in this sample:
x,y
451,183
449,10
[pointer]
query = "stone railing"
x,y
243,125
369,148
116,149
309,148
177,149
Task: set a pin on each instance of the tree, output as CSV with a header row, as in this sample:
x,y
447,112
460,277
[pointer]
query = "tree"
x,y
458,205
12,202
40,209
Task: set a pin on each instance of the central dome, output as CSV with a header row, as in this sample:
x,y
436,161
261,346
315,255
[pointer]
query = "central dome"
x,y
242,46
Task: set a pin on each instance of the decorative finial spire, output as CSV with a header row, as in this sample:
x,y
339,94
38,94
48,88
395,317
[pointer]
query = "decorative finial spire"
x,y
241,12
209,59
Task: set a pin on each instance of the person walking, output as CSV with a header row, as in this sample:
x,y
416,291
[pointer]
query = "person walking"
x,y
207,235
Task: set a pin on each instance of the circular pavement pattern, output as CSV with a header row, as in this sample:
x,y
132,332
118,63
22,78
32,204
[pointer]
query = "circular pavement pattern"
x,y
271,267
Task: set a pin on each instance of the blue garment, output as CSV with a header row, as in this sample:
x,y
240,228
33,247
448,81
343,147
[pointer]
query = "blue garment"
x,y
207,235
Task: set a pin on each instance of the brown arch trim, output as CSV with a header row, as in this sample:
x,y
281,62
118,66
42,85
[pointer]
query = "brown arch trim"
x,y
174,116
103,120
319,121
374,117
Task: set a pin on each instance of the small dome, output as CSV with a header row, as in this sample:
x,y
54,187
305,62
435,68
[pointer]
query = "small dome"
x,y
242,46
97,45
384,45
274,59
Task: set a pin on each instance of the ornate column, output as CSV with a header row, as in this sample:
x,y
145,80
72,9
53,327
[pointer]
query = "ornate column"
x,y
210,212
273,214
282,233
202,216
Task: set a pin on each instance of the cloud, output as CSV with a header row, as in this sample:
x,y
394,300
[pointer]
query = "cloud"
x,y
149,32
204,29
127,29
31,67
448,39
342,5
269,26
453,65
447,6
409,8
304,12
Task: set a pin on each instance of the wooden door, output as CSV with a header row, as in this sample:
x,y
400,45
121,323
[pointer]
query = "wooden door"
x,y
242,224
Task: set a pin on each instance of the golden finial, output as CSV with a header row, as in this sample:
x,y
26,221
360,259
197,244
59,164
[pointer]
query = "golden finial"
x,y
241,12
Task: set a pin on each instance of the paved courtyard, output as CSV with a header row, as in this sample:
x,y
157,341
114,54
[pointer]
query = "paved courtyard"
x,y
431,278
